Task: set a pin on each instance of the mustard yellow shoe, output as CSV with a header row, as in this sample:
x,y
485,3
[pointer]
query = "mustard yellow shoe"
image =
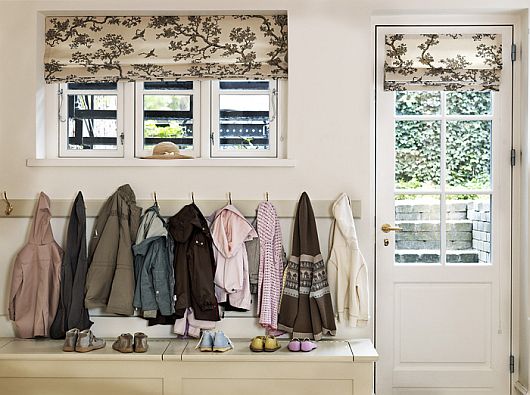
x,y
271,344
257,344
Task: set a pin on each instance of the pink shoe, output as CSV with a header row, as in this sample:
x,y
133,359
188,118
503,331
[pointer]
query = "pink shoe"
x,y
294,345
307,345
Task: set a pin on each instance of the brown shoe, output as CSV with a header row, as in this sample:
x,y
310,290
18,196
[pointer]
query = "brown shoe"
x,y
140,342
124,343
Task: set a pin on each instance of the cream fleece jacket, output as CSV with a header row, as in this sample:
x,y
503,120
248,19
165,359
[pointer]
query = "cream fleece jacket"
x,y
347,272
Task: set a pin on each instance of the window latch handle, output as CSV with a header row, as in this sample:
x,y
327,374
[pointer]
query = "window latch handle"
x,y
122,137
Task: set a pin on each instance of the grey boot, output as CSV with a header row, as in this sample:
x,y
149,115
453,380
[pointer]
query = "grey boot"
x,y
86,341
70,340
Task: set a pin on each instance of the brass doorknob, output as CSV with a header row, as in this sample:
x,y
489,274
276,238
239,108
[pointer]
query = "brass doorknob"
x,y
389,228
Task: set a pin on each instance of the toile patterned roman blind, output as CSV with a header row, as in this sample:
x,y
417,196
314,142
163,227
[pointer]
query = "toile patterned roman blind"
x,y
444,62
113,48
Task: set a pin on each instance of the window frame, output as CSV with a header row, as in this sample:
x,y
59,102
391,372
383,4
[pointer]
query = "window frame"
x,y
215,136
138,115
130,125
62,119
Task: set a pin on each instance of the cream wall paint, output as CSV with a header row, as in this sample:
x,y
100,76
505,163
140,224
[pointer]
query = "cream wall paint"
x,y
330,52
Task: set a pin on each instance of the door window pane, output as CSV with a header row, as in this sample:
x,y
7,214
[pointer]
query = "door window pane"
x,y
92,122
468,229
468,146
417,150
168,118
417,103
419,218
468,103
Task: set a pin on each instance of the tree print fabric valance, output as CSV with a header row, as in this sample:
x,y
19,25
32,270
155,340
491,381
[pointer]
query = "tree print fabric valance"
x,y
113,48
445,62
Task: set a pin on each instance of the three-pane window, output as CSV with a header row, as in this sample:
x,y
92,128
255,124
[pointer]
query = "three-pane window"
x,y
225,118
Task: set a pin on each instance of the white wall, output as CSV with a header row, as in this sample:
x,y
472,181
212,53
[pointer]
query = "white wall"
x,y
330,52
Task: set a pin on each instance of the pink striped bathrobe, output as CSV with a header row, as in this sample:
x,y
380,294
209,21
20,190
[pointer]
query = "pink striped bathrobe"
x,y
270,266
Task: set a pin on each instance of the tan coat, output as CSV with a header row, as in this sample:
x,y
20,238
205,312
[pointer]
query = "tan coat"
x,y
110,280
35,284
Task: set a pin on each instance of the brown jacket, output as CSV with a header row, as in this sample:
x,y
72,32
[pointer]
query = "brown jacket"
x,y
194,264
306,309
35,283
110,280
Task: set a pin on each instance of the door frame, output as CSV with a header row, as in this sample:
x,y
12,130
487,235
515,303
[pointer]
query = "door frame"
x,y
519,85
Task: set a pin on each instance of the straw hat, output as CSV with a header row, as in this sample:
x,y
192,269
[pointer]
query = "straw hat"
x,y
166,150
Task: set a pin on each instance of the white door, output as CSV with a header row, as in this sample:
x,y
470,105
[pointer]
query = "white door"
x,y
443,175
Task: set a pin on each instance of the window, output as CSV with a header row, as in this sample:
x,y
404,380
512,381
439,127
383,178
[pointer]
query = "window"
x,y
443,171
90,120
205,119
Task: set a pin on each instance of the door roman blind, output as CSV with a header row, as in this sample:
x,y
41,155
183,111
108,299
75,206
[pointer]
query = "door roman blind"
x,y
135,48
443,62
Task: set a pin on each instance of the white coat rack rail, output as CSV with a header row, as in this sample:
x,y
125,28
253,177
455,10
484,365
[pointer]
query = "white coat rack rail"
x,y
22,208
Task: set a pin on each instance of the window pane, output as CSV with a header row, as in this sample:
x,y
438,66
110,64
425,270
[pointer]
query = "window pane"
x,y
468,154
417,150
104,86
248,85
168,118
170,85
417,103
92,122
469,103
468,229
244,121
419,218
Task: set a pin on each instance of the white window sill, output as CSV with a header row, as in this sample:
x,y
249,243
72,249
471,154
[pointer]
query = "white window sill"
x,y
135,162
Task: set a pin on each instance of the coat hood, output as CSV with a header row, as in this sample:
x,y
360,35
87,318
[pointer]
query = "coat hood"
x,y
181,224
267,225
230,229
344,219
41,230
305,235
151,224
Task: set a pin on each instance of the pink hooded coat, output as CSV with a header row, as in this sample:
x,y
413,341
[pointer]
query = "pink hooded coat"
x,y
35,284
230,230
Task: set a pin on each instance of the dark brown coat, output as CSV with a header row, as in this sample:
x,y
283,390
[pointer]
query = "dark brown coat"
x,y
194,264
306,309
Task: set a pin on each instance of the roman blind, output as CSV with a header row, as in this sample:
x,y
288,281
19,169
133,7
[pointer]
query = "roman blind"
x,y
113,48
444,62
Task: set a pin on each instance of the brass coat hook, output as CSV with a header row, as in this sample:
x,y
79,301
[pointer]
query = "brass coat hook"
x,y
9,206
267,196
192,197
154,196
230,197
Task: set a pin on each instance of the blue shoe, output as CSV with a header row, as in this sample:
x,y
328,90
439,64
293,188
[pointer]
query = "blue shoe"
x,y
222,342
206,341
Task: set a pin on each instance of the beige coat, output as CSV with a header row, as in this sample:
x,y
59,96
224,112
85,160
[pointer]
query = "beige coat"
x,y
110,280
35,284
347,272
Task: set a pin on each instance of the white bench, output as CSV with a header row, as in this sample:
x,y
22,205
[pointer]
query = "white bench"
x,y
174,367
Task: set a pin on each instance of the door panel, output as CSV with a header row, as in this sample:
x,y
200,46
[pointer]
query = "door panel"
x,y
443,281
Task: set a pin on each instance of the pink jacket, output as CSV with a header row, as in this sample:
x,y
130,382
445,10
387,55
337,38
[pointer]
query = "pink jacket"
x,y
35,283
230,230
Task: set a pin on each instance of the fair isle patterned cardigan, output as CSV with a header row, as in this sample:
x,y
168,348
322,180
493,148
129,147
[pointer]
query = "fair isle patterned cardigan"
x,y
306,309
270,265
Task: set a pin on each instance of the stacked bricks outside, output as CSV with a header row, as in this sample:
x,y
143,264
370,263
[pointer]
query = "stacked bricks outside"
x,y
467,231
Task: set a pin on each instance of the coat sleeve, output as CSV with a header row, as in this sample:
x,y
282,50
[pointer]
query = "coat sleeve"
x,y
361,294
16,285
